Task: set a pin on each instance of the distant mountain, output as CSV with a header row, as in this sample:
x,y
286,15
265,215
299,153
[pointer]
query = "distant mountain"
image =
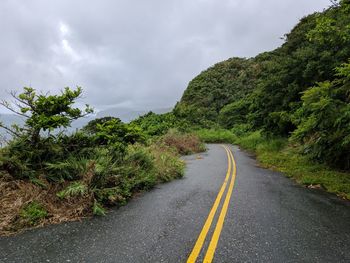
x,y
127,115
9,119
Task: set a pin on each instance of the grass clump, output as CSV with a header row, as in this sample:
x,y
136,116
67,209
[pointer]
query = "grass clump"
x,y
32,213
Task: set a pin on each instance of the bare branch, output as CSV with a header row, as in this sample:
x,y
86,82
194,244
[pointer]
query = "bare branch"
x,y
14,95
9,107
9,130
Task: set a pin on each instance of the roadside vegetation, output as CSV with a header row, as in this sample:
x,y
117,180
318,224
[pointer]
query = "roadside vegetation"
x,y
50,176
290,106
278,154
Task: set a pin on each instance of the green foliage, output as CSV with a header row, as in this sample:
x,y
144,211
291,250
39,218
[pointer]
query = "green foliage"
x,y
214,88
299,167
72,168
216,135
324,120
32,213
153,124
44,112
167,164
75,189
91,127
251,141
275,153
234,113
102,165
141,168
34,144
299,89
98,209
114,131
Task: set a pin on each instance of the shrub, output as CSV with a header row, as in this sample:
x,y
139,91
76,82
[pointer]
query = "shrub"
x,y
73,168
184,143
114,131
251,141
166,163
35,143
323,120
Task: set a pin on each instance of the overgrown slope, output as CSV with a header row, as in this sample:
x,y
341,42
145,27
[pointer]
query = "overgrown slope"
x,y
299,89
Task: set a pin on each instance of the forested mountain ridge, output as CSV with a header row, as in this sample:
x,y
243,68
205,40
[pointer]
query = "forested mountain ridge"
x,y
300,90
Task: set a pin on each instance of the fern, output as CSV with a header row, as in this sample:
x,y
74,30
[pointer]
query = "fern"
x,y
98,209
73,190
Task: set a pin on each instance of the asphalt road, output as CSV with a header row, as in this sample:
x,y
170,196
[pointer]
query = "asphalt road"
x,y
268,219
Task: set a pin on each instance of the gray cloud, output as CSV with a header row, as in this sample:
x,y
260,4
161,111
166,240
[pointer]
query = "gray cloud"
x,y
134,53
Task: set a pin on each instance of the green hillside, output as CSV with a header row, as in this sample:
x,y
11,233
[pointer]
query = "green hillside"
x,y
300,90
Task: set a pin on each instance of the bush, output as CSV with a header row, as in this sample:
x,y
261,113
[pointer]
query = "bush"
x,y
323,121
251,141
116,132
73,168
167,165
184,143
141,168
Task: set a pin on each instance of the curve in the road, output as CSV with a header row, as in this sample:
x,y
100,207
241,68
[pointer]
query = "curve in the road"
x,y
208,223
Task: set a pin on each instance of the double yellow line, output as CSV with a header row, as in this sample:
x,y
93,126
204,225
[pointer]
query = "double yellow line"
x,y
217,231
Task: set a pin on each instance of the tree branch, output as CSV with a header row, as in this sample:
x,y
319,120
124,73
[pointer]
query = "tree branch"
x,y
8,106
14,95
9,130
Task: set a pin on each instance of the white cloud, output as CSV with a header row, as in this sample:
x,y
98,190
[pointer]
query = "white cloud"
x,y
136,53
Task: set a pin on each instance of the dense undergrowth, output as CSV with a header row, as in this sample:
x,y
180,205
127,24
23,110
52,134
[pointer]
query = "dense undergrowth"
x,y
48,176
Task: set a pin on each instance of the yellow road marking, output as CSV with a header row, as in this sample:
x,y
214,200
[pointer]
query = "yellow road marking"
x,y
198,246
216,235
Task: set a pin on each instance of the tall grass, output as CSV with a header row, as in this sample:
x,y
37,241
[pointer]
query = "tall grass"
x,y
278,154
216,135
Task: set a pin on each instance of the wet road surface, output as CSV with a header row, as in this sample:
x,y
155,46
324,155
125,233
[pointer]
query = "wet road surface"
x,y
268,218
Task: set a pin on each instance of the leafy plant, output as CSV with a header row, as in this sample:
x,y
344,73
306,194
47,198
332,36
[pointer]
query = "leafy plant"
x,y
98,209
75,189
33,212
323,120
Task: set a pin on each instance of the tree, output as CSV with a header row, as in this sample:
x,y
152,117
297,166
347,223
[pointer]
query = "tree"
x,y
34,144
43,113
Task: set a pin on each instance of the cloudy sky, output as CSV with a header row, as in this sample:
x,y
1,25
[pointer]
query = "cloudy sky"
x,y
134,53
